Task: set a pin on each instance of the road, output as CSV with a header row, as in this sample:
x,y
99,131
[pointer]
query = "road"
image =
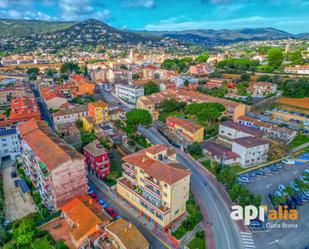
x,y
224,229
154,241
45,114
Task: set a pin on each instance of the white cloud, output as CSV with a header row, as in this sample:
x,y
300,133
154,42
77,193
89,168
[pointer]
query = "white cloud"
x,y
139,3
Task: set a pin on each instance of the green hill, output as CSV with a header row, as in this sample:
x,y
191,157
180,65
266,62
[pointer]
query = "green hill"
x,y
18,28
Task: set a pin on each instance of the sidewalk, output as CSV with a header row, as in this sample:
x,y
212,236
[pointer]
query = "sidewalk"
x,y
124,206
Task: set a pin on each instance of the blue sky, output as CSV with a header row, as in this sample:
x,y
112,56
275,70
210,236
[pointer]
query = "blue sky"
x,y
288,15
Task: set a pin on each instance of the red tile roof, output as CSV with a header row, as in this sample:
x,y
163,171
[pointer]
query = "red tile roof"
x,y
169,173
50,149
185,124
48,93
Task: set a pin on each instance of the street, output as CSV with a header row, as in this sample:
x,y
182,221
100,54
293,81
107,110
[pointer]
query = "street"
x,y
153,240
224,229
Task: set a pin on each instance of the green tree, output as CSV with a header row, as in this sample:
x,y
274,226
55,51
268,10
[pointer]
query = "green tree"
x,y
296,57
137,117
151,88
265,78
69,67
50,72
170,105
202,57
205,111
195,149
25,232
275,58
215,74
33,73
245,77
296,88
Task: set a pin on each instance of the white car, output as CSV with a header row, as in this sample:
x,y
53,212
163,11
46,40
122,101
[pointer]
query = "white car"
x,y
288,161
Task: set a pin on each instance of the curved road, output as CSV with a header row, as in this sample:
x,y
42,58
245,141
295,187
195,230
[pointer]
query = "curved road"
x,y
224,229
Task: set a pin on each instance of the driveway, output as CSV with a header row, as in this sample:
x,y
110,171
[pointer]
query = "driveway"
x,y
17,204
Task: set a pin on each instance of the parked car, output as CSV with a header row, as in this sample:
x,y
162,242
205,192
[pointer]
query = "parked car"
x,y
13,174
16,183
302,196
111,212
102,203
294,186
304,179
288,161
90,191
93,195
282,188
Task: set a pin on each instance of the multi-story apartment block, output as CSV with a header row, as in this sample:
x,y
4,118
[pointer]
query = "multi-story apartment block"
x,y
155,184
56,170
129,93
97,159
70,115
189,131
98,111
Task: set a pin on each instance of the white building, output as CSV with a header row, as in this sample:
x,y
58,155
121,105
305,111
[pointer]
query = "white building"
x,y
70,115
262,89
228,131
181,79
129,93
250,150
9,142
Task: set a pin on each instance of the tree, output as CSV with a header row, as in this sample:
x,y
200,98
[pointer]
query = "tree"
x,y
215,74
205,111
50,72
25,232
186,83
296,88
296,58
170,105
264,78
202,57
195,149
137,117
33,73
69,67
151,88
275,58
245,77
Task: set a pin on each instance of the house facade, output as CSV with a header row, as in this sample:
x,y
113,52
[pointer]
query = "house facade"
x,y
56,170
155,185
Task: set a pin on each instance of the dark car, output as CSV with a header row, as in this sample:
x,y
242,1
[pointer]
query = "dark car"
x,y
13,174
16,183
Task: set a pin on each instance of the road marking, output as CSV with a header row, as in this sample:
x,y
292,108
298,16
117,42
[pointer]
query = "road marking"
x,y
273,242
247,240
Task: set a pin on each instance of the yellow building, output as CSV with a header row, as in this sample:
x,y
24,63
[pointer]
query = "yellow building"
x,y
155,184
99,112
87,123
189,131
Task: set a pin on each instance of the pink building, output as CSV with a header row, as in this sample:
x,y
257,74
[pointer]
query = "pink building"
x,y
96,158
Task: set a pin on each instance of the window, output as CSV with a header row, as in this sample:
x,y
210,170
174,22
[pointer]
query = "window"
x,y
165,195
165,185
177,211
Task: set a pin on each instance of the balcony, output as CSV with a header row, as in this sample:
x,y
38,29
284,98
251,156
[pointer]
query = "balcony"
x,y
129,175
151,182
129,168
139,193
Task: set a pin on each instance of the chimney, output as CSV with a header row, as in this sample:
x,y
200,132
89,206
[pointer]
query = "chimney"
x,y
90,201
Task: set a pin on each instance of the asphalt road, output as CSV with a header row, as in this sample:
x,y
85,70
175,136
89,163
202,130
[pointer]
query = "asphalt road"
x,y
154,241
109,98
282,238
43,107
225,231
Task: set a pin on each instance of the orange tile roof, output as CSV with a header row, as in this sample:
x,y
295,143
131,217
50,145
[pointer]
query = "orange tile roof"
x,y
162,171
128,234
185,124
48,93
50,149
101,104
86,214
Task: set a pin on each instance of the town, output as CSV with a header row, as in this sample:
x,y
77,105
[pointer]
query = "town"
x,y
112,139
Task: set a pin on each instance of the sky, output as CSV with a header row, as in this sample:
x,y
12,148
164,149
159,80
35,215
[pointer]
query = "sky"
x,y
168,15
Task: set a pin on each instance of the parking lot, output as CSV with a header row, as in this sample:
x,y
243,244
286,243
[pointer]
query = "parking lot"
x,y
278,237
17,204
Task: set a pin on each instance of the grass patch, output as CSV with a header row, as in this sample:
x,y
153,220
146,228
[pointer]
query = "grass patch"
x,y
299,140
236,169
194,217
207,164
41,243
198,242
115,171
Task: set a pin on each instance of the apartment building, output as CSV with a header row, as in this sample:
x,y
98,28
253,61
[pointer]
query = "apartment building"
x,y
129,93
96,159
189,131
250,150
98,111
56,170
9,142
262,89
70,115
155,184
229,131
